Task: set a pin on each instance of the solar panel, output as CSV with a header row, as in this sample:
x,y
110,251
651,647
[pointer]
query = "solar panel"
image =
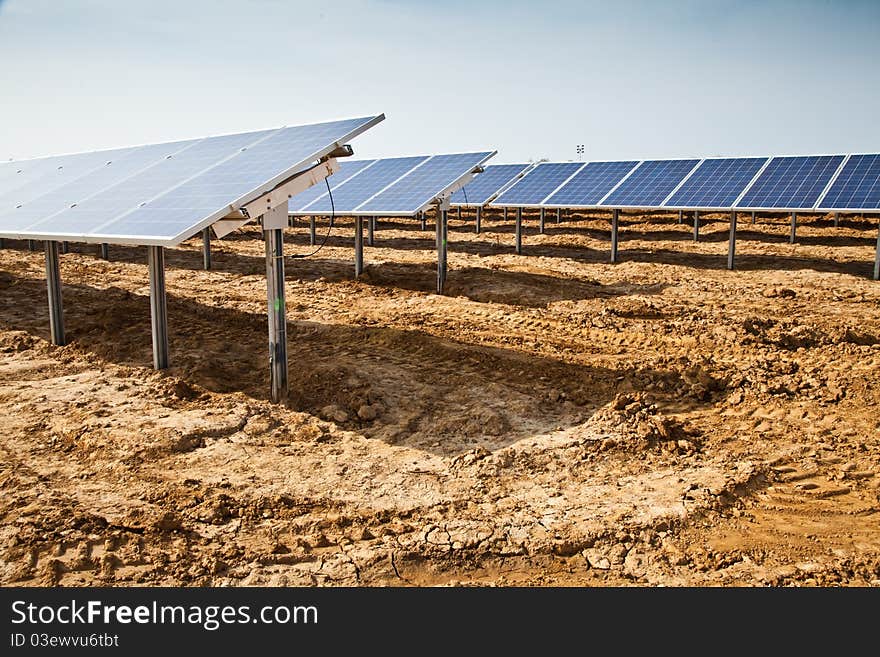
x,y
487,184
650,184
717,183
421,185
353,192
158,198
791,183
537,184
590,184
347,169
857,186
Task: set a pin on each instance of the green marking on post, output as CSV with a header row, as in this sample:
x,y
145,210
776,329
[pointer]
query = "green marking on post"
x,y
277,305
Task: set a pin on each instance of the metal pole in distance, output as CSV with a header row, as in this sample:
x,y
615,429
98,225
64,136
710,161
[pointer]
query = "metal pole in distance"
x,y
505,214
105,251
731,247
519,231
358,246
558,215
459,213
312,239
836,219
424,220
206,248
158,306
31,245
370,230
615,221
478,219
793,235
681,216
541,222
877,260
696,225
277,314
754,214
65,247
53,285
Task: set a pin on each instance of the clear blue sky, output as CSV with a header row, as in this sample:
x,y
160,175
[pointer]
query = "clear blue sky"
x,y
530,79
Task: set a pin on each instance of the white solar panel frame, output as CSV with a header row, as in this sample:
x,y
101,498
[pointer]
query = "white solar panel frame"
x,y
234,206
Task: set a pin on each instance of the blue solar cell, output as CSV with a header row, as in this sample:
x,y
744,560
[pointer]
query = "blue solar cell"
x,y
791,183
354,191
421,185
537,184
590,184
717,183
486,184
650,184
347,169
40,211
857,187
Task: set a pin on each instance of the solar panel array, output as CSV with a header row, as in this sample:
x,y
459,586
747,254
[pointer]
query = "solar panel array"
x,y
399,186
159,194
796,184
486,185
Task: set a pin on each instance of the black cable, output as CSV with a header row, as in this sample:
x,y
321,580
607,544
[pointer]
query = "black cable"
x,y
329,227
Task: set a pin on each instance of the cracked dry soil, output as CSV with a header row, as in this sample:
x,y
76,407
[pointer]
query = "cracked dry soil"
x,y
551,420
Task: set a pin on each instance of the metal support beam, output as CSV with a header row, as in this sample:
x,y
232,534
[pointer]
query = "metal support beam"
x,y
358,246
479,219
731,247
312,237
793,235
541,222
519,231
53,285
696,225
206,248
277,306
615,221
442,234
371,229
558,215
836,219
158,306
681,216
105,251
877,259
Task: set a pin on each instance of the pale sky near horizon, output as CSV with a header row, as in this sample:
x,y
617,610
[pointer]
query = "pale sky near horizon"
x,y
531,79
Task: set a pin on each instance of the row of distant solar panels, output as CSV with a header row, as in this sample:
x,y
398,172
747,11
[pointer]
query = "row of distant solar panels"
x,y
390,186
803,183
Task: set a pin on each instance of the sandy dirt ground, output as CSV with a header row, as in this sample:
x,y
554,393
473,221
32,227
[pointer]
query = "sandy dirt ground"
x,y
551,420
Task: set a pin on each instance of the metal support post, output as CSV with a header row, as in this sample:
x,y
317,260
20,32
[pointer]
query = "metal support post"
x,y
424,221
754,216
312,237
53,285
277,305
877,259
681,216
615,221
31,245
541,222
478,219
206,248
696,225
158,306
505,214
358,246
731,247
65,247
558,215
793,235
836,219
442,235
519,231
371,229
459,213
105,251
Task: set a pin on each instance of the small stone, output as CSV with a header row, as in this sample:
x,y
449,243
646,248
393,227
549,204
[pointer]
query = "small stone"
x,y
367,413
334,413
